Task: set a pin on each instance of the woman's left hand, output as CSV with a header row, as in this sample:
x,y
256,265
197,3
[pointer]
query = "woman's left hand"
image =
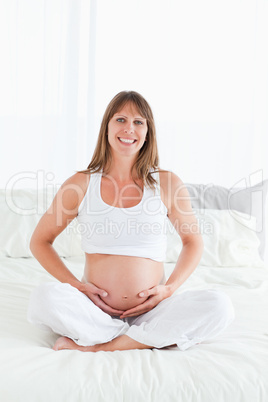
x,y
152,297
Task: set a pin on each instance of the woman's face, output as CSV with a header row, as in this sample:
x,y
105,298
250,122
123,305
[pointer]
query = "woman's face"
x,y
127,131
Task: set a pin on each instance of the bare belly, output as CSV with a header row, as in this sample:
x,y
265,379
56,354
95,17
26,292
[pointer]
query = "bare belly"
x,y
123,277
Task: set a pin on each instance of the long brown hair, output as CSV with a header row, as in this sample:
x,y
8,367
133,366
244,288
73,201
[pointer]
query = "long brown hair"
x,y
148,155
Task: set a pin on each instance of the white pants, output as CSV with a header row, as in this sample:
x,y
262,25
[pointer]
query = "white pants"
x,y
184,319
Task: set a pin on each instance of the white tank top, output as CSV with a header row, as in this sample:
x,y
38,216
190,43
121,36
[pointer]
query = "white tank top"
x,y
138,231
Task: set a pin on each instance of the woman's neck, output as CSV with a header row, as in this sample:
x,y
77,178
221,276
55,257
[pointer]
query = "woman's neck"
x,y
121,171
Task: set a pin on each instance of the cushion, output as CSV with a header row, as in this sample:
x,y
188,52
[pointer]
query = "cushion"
x,y
249,200
229,237
20,211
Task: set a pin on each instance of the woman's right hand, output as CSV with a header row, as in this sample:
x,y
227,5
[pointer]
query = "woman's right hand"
x,y
94,293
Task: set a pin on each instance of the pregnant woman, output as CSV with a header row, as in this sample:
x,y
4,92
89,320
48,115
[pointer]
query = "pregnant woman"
x,y
122,202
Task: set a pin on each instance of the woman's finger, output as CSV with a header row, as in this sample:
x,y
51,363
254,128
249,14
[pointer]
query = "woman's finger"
x,y
94,289
144,307
106,308
133,314
149,292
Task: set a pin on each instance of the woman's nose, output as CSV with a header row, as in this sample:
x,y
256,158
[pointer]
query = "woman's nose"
x,y
129,128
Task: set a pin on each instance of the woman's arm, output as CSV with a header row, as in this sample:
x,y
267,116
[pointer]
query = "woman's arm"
x,y
182,217
47,256
177,200
61,212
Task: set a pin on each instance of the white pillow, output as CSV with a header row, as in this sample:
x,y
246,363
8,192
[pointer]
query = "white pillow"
x,y
20,212
229,237
249,200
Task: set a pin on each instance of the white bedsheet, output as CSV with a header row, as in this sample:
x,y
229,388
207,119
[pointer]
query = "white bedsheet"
x,y
232,367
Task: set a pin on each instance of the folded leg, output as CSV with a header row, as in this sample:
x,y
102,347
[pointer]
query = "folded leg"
x,y
63,309
184,319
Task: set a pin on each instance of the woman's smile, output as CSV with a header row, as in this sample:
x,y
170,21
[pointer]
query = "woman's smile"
x,y
127,141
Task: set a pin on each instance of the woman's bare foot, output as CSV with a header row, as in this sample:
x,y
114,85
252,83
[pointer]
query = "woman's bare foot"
x,y
66,343
122,342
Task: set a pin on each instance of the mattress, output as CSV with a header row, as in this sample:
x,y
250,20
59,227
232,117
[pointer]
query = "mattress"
x,y
231,367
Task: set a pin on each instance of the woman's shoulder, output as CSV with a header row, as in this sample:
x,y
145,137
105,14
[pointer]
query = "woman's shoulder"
x,y
77,184
172,189
167,177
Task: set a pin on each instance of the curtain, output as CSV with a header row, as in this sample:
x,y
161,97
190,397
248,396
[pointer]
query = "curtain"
x,y
202,66
47,89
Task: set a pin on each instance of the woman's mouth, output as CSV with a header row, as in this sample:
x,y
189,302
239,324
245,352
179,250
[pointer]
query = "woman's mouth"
x,y
127,141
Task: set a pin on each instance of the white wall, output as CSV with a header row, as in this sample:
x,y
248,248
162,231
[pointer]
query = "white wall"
x,y
202,66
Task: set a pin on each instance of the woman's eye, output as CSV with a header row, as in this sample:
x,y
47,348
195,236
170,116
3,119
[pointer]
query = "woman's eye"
x,y
121,120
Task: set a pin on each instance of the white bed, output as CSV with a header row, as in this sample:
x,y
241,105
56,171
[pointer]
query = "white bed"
x,y
231,367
